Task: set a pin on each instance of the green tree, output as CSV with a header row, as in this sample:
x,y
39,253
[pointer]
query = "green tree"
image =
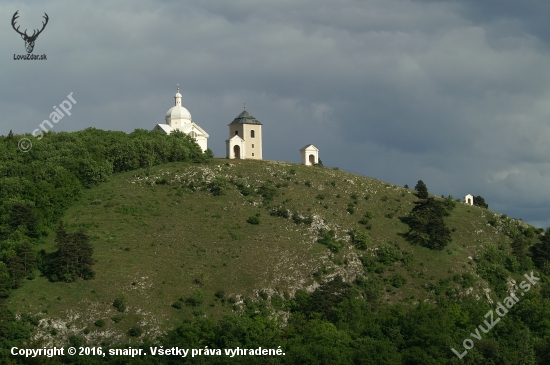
x,y
5,281
421,190
28,258
480,202
449,203
73,258
16,269
541,252
427,226
520,250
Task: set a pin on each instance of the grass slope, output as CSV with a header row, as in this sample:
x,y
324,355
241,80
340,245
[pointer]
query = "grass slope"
x,y
162,235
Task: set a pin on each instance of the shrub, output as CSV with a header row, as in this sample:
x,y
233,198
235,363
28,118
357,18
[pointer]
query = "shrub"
x,y
350,209
217,185
116,319
277,302
298,218
76,341
327,239
135,331
388,253
195,299
243,187
366,220
253,220
263,294
177,305
369,262
280,211
267,191
449,203
398,280
120,304
99,323
360,240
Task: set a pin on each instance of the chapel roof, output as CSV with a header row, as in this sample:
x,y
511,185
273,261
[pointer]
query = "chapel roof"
x,y
245,118
310,147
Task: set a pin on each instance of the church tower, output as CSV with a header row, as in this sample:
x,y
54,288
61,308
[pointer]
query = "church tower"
x,y
245,137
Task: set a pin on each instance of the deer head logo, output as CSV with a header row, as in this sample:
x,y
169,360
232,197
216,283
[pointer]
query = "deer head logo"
x,y
29,40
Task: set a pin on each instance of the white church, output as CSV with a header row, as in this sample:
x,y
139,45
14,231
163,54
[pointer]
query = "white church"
x,y
179,118
245,134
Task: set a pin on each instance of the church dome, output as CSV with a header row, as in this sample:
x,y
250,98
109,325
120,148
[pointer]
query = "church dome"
x,y
178,112
177,116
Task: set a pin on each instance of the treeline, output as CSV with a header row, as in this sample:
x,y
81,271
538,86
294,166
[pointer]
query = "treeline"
x,y
336,325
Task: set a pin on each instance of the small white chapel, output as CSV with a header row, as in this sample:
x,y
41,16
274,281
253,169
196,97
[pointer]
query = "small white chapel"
x,y
179,118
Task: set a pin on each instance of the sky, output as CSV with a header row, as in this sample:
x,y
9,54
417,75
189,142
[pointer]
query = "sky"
x,y
455,93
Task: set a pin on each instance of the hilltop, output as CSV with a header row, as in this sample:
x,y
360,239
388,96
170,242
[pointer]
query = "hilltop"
x,y
183,240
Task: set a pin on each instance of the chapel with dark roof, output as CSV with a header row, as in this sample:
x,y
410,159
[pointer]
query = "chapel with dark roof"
x,y
245,137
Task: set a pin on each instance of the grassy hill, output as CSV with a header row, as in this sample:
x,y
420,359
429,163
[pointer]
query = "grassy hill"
x,y
179,241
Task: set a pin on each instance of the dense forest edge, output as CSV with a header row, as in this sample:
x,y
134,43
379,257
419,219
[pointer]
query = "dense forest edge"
x,y
338,323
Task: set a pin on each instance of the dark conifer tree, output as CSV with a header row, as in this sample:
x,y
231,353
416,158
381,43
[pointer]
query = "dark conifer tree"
x,y
84,253
480,202
421,190
27,256
426,225
73,258
16,269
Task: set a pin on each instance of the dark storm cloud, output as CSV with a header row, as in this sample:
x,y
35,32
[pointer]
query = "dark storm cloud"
x,y
505,18
452,92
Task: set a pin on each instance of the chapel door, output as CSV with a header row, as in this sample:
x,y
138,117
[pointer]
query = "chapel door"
x,y
312,159
237,152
